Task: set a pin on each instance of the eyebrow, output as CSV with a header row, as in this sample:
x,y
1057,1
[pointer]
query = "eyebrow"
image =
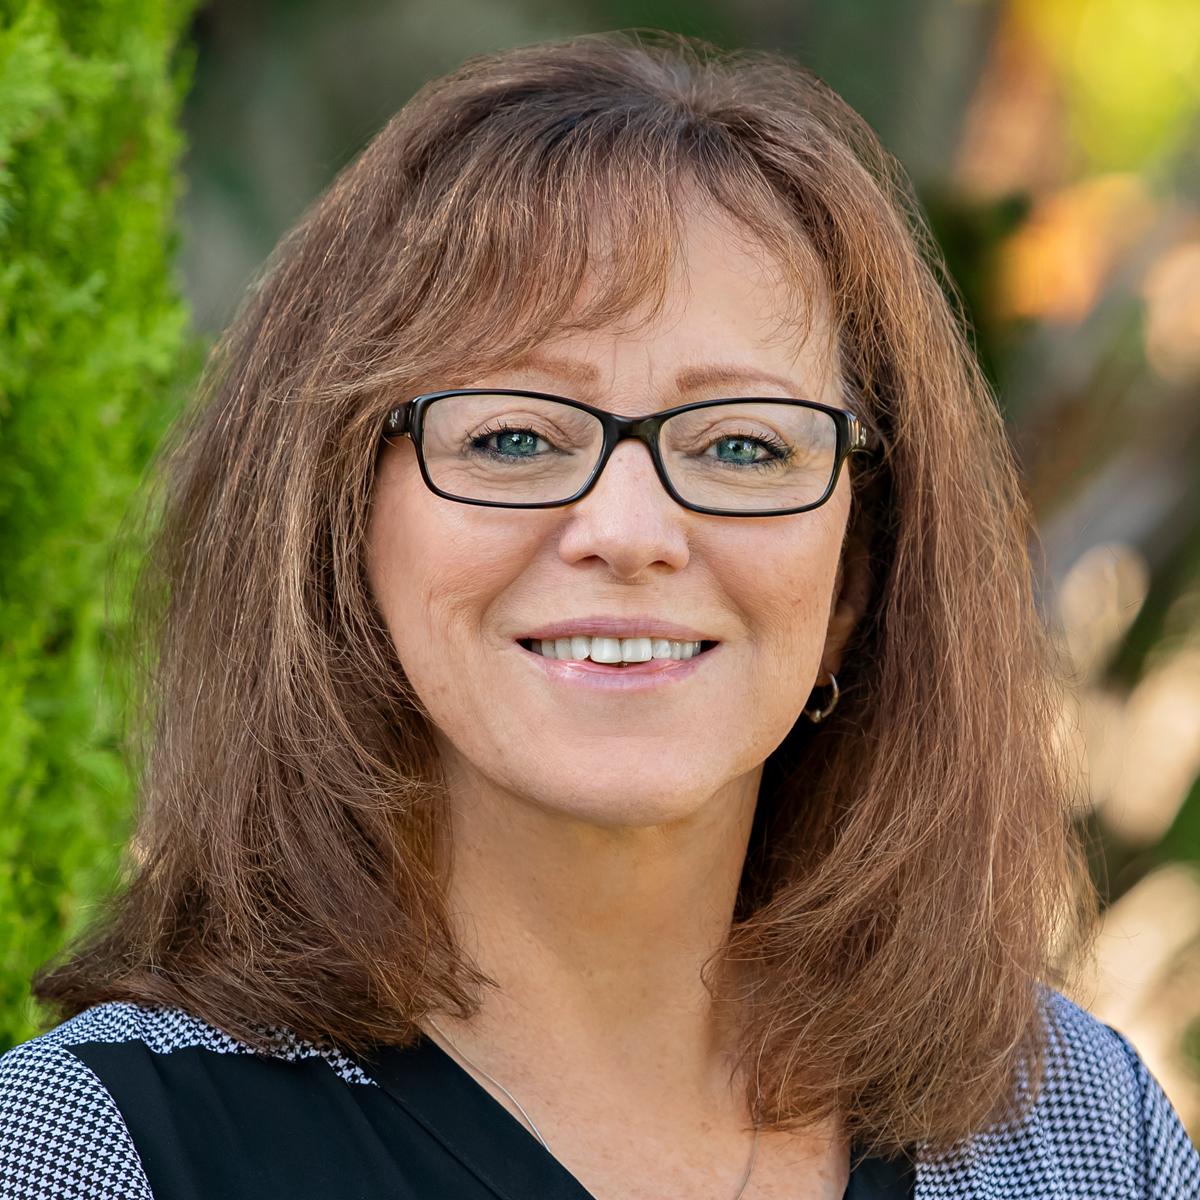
x,y
687,379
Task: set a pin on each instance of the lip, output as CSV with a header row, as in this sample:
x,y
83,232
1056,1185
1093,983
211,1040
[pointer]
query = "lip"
x,y
626,626
635,677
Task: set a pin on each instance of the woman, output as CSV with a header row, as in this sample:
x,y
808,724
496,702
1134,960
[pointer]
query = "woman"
x,y
533,812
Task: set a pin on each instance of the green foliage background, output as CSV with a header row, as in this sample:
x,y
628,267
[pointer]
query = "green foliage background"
x,y
93,339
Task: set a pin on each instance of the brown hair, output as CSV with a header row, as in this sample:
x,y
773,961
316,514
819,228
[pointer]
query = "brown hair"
x,y
912,877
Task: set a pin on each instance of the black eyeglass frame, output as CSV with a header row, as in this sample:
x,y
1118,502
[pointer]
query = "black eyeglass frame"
x,y
408,421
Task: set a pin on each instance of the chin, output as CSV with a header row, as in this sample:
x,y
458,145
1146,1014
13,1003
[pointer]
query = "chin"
x,y
616,799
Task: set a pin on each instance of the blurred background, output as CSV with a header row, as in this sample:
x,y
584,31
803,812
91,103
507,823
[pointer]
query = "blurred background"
x,y
151,153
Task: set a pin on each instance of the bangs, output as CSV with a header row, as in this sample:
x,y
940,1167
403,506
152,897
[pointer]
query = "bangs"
x,y
515,237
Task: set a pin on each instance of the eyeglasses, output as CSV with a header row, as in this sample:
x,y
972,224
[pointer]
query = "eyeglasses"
x,y
743,457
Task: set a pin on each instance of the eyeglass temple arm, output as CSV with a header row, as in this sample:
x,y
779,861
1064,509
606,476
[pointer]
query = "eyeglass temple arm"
x,y
860,439
397,421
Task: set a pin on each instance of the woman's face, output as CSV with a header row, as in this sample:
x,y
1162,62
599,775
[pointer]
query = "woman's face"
x,y
462,587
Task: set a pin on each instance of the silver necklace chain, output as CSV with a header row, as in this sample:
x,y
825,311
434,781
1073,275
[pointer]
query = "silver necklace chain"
x,y
534,1129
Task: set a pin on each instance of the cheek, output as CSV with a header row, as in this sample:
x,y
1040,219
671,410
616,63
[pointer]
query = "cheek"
x,y
782,582
436,569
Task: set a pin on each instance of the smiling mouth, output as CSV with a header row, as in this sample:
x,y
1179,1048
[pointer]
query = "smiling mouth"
x,y
615,652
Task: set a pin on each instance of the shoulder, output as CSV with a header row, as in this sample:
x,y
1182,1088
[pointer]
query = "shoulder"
x,y
140,1028
69,1097
1096,1079
61,1133
1099,1126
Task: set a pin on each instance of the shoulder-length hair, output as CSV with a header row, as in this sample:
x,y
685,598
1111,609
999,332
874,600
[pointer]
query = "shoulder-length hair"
x,y
912,878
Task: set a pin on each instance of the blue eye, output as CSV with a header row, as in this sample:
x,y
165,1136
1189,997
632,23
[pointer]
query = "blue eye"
x,y
509,443
741,451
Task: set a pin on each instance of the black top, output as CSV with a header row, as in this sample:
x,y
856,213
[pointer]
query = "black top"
x,y
137,1104
463,1117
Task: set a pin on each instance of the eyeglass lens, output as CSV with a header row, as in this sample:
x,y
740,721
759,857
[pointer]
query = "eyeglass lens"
x,y
745,455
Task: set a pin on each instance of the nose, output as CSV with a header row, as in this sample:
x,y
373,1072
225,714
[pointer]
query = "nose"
x,y
627,521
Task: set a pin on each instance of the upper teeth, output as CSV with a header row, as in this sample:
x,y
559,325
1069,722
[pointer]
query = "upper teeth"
x,y
614,650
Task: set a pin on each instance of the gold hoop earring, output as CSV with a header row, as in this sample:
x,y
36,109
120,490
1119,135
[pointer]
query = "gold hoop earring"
x,y
816,716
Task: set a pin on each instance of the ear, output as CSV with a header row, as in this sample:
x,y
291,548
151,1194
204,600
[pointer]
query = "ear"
x,y
851,595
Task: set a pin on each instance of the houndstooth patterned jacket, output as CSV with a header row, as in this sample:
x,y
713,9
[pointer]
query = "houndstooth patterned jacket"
x,y
1101,1129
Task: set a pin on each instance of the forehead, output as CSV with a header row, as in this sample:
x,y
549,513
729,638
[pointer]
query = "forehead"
x,y
709,259
730,316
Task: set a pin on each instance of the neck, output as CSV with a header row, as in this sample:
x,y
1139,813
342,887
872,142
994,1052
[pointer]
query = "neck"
x,y
596,936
